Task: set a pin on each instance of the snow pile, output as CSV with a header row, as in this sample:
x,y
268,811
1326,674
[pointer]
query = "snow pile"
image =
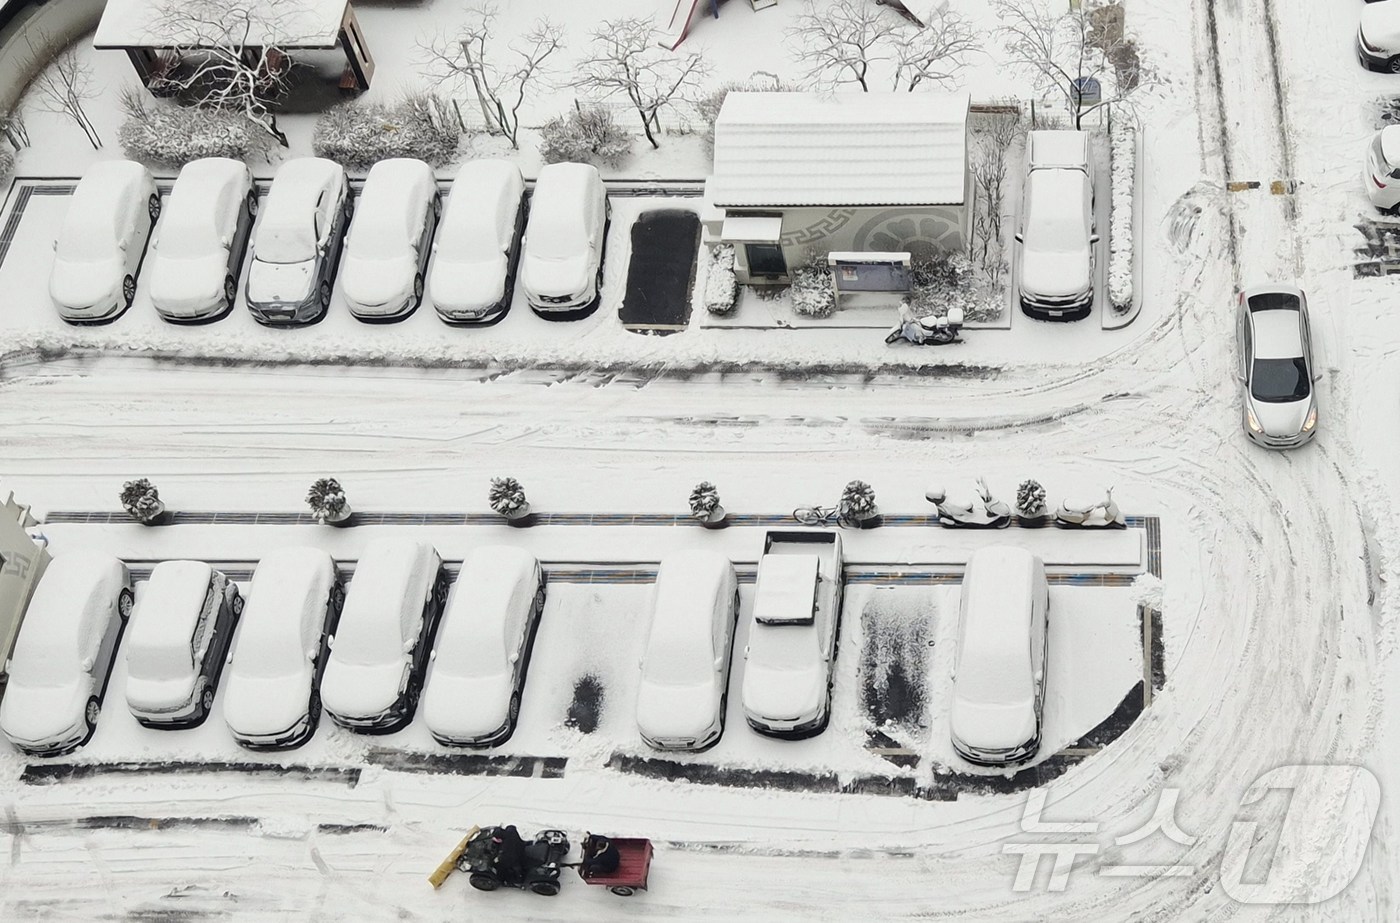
x,y
588,134
1147,592
721,288
1123,142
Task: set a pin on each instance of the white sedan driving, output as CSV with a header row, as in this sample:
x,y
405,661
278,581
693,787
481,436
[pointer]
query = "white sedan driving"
x,y
1276,366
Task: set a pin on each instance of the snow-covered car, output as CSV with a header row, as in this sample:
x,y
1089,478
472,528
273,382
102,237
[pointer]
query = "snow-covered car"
x,y
477,673
478,243
272,697
786,690
1378,37
98,254
1380,173
386,253
197,254
999,665
63,657
297,245
380,650
684,689
562,257
180,635
1055,242
1276,366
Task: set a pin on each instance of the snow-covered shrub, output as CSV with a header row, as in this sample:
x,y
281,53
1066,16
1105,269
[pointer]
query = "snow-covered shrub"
x,y
1030,499
359,134
507,497
588,134
141,500
811,292
949,281
704,500
7,165
857,501
1123,145
707,106
327,500
721,288
171,135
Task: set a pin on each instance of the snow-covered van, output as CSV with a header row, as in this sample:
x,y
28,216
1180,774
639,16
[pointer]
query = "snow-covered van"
x,y
685,671
1056,238
562,258
180,635
477,671
999,672
380,650
63,657
792,643
272,699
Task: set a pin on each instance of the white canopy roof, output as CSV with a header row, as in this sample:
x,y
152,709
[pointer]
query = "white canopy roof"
x,y
175,23
785,149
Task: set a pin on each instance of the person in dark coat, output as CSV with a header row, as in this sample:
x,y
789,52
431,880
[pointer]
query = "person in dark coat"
x,y
603,858
508,854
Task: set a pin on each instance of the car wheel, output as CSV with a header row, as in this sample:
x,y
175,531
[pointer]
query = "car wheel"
x,y
623,890
514,713
325,295
418,289
206,700
252,203
238,606
484,882
91,713
546,888
230,289
314,709
129,289
125,602
153,207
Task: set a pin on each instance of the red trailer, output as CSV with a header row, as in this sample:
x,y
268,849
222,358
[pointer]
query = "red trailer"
x,y
633,864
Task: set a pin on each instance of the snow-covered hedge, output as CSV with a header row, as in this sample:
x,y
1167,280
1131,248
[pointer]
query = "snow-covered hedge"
x,y
588,134
811,291
1123,144
171,135
951,281
721,288
360,134
7,165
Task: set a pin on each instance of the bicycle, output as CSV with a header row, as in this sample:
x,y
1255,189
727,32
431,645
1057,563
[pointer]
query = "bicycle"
x,y
819,516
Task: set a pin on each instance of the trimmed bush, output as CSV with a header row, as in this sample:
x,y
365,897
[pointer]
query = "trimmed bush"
x,y
811,291
359,135
171,135
588,134
721,288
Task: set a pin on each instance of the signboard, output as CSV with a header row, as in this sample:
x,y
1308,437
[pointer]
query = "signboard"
x,y
869,272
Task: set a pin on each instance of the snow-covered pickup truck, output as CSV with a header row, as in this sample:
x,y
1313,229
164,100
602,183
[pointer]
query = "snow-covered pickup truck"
x,y
792,642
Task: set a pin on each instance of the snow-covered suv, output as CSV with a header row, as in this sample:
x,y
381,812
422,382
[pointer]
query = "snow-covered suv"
x,y
1055,242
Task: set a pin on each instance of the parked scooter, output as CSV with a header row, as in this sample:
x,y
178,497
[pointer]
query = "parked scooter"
x,y
990,513
495,856
1102,515
927,331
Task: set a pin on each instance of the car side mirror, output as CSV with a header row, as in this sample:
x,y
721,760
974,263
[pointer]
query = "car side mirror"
x,y
88,664
121,245
1093,238
1317,376
432,655
330,641
408,646
311,653
1039,675
514,656
1020,238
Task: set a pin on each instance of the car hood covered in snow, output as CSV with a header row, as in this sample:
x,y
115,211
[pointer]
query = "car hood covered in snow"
x,y
360,690
86,285
37,714
993,727
555,278
157,695
280,283
668,712
261,706
467,287
188,287
783,694
466,707
1056,274
371,283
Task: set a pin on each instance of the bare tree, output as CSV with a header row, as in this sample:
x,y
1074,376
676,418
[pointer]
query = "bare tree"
x,y
231,55
995,132
625,59
63,85
935,53
470,58
1062,51
837,42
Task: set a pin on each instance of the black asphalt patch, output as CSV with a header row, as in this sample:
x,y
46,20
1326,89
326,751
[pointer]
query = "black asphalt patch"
x,y
51,773
132,822
469,764
587,706
665,244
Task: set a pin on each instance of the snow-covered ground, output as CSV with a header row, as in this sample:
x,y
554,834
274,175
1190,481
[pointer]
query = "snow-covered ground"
x,y
1278,627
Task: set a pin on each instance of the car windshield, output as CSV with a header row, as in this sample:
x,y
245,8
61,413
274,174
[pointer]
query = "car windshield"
x,y
380,242
84,243
190,243
1280,381
44,668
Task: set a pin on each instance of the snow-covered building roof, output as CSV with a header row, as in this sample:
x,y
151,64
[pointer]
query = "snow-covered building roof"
x,y
790,149
163,24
